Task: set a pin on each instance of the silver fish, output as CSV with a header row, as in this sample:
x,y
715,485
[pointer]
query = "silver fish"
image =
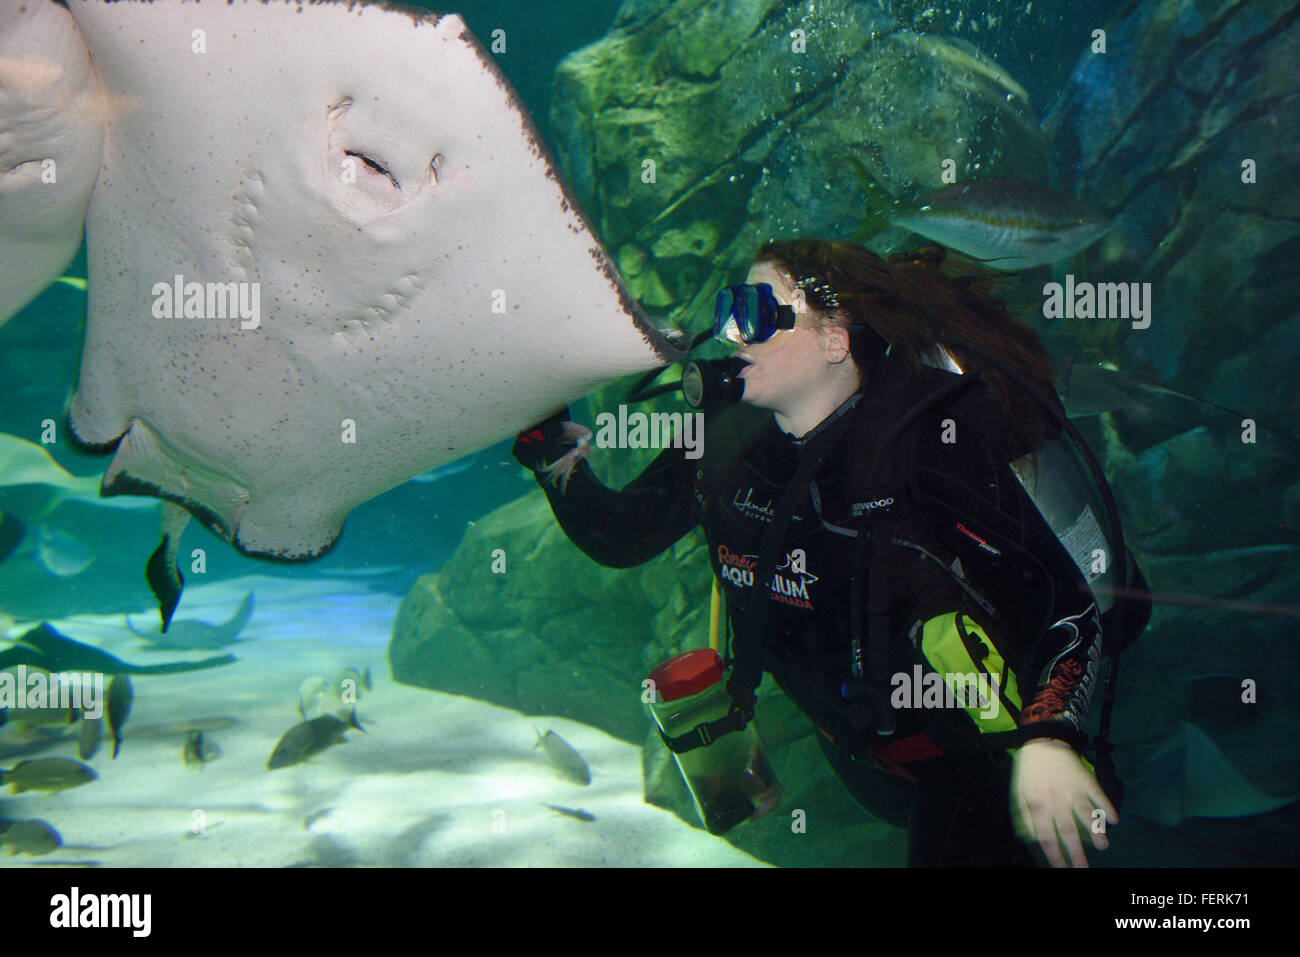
x,y
566,761
578,813
310,738
47,774
120,696
62,554
198,750
88,742
1008,224
313,697
42,717
34,837
348,684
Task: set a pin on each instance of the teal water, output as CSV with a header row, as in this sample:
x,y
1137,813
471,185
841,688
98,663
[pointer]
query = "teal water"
x,y
445,777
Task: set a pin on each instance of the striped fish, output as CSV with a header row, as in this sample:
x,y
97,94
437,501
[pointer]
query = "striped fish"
x,y
1008,224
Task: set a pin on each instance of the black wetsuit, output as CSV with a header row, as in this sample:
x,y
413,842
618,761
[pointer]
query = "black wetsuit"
x,y
955,807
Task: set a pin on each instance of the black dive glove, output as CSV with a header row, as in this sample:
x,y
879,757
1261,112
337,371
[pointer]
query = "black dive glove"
x,y
542,443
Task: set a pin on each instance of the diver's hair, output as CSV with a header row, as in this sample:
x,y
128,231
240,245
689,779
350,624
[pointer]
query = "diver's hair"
x,y
910,303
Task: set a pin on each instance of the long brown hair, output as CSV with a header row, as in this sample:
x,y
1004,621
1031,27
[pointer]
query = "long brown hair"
x,y
911,304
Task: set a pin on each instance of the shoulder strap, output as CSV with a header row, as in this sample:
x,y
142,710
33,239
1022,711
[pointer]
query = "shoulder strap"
x,y
747,665
729,434
748,669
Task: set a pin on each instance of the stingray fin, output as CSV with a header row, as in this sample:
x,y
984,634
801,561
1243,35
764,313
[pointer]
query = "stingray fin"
x,y
239,619
1190,777
52,113
1216,788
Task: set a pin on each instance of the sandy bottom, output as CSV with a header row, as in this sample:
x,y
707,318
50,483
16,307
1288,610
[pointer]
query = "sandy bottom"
x,y
436,780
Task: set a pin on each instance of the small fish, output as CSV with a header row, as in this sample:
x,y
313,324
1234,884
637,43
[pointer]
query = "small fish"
x,y
62,554
566,761
199,750
1008,224
310,738
313,697
47,774
580,814
119,707
348,684
29,837
88,742
28,718
311,819
316,696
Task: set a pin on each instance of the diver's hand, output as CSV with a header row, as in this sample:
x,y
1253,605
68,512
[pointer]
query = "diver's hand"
x,y
1051,790
543,442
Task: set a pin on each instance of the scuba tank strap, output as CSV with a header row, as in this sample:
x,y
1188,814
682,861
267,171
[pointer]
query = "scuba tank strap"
x,y
747,669
729,434
866,693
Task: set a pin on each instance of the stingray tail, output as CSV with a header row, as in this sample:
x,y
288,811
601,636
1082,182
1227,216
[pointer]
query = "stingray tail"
x,y
560,471
162,572
176,667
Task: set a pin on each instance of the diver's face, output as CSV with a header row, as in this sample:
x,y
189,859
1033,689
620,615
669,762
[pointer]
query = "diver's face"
x,y
783,368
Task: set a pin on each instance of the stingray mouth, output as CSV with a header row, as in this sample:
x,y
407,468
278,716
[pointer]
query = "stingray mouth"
x,y
362,177
375,166
362,181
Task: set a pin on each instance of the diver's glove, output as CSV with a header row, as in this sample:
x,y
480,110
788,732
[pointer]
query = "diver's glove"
x,y
552,448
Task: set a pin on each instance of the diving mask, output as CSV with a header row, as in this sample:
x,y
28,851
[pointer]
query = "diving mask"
x,y
749,314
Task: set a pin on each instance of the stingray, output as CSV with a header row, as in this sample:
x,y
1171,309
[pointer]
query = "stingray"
x,y
1092,388
1237,760
27,463
43,647
187,635
327,251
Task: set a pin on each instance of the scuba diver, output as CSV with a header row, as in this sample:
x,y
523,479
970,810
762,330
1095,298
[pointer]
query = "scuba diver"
x,y
863,482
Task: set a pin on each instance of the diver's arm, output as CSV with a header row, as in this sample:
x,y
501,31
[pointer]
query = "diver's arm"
x,y
1059,684
1057,802
1065,667
619,529
626,528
